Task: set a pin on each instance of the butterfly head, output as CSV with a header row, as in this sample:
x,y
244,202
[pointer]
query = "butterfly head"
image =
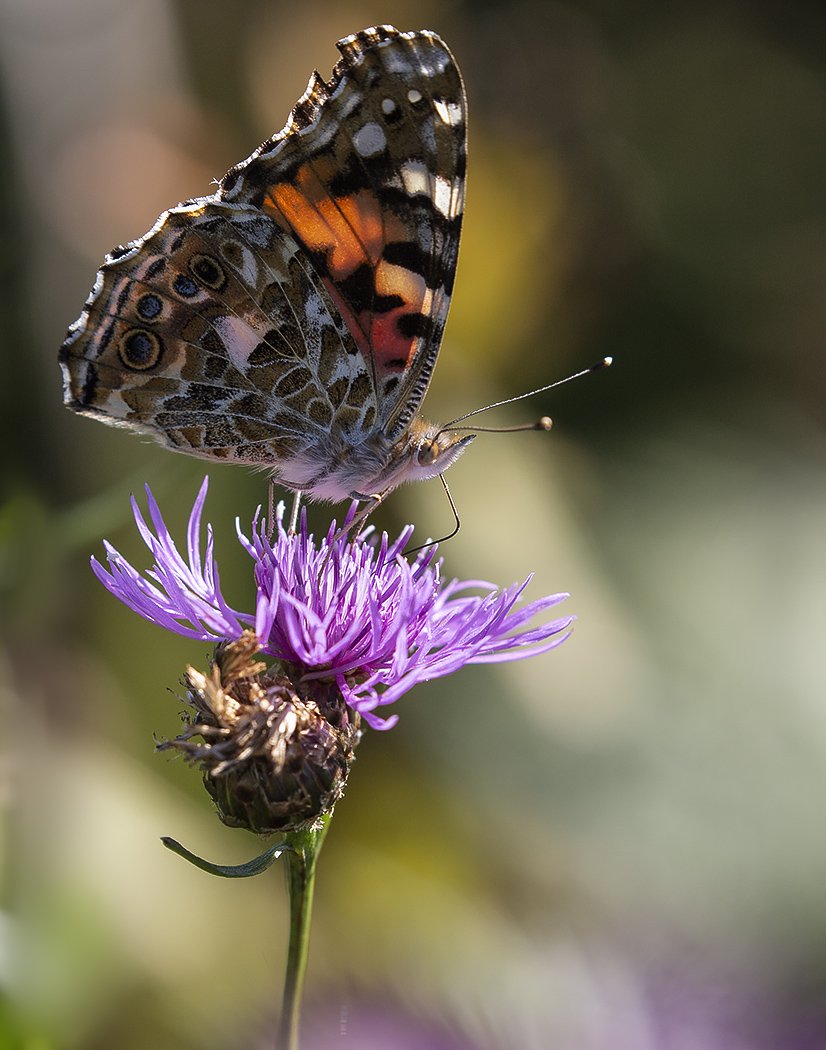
x,y
427,452
441,451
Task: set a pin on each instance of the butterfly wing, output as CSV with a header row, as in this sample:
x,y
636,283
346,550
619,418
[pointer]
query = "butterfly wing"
x,y
214,335
368,175
294,317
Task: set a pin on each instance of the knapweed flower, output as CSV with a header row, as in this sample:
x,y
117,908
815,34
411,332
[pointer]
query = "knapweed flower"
x,y
346,618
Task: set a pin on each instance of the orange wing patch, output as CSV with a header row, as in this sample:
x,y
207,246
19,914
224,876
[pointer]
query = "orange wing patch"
x,y
349,229
352,232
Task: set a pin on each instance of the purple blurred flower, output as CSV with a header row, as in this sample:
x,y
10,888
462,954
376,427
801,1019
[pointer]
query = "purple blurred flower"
x,y
352,611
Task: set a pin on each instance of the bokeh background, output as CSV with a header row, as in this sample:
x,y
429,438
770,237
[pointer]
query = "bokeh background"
x,y
618,846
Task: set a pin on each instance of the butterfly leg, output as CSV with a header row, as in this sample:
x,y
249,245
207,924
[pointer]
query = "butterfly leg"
x,y
294,513
371,502
270,510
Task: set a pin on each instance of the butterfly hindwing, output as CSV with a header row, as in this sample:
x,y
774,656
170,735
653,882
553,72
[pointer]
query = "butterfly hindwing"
x,y
215,335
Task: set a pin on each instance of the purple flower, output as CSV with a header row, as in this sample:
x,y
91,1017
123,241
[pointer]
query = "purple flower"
x,y
352,611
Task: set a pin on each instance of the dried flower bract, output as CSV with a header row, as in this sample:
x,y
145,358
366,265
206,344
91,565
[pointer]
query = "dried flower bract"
x,y
274,754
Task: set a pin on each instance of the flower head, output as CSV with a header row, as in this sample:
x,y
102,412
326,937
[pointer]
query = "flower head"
x,y
348,612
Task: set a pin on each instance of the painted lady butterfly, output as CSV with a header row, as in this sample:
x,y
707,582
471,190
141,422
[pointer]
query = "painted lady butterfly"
x,y
292,320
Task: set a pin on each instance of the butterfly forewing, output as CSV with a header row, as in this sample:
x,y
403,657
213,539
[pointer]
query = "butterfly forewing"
x,y
368,175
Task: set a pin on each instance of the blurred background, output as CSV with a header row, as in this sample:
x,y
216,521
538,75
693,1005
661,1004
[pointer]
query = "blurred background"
x,y
617,846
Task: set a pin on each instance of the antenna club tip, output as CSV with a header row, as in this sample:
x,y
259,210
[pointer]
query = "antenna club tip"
x,y
607,362
545,423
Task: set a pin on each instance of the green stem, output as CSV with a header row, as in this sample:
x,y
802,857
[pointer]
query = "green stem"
x,y
301,860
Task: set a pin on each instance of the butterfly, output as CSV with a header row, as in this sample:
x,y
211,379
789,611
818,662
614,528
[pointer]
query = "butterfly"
x,y
292,319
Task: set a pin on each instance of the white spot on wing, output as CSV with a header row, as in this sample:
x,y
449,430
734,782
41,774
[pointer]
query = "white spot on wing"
x,y
369,140
443,196
446,195
414,96
416,177
388,106
450,112
238,337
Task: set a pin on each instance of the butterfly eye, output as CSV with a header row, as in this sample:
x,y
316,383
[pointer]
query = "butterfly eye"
x,y
428,453
139,350
208,271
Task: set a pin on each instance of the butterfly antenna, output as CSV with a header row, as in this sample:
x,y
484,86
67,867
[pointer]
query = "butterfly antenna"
x,y
544,423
